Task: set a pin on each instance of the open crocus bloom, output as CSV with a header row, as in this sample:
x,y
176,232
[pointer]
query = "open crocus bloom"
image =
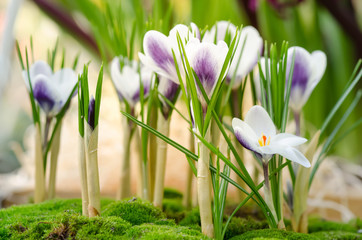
x,y
258,134
127,79
50,90
308,71
207,60
248,55
158,50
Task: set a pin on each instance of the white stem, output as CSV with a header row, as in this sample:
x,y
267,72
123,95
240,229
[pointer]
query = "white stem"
x,y
83,175
204,188
39,191
125,175
94,206
187,200
143,176
163,126
53,162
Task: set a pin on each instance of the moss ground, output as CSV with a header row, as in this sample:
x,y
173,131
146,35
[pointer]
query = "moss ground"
x,y
138,219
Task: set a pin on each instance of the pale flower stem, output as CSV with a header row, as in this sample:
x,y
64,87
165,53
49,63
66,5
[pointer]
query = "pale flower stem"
x,y
39,191
53,163
204,188
83,176
48,120
281,224
187,200
94,206
143,169
297,123
267,191
124,190
163,126
137,141
153,152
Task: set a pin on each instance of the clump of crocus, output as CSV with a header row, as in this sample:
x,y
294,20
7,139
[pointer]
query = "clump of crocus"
x,y
246,53
132,81
88,118
50,93
308,71
258,134
159,52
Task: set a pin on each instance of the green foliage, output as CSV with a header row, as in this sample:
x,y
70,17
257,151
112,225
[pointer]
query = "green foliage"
x,y
239,226
135,211
274,234
336,235
192,218
173,209
172,193
148,231
317,225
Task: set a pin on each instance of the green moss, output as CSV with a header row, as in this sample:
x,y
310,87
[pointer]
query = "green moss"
x,y
317,225
170,193
135,211
192,218
337,235
274,234
174,209
156,232
239,226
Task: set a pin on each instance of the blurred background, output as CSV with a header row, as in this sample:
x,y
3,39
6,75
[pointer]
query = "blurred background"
x,y
100,30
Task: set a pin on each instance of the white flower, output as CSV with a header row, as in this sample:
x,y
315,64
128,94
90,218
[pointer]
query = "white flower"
x,y
207,60
248,55
258,134
308,71
127,79
158,50
50,90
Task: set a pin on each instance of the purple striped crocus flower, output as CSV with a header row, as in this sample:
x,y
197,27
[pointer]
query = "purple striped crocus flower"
x,y
158,50
257,133
127,78
245,58
308,71
50,90
207,60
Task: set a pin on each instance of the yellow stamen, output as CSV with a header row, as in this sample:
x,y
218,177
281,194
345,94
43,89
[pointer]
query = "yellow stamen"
x,y
263,140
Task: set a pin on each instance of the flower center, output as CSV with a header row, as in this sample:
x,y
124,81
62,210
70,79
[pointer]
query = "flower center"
x,y
263,140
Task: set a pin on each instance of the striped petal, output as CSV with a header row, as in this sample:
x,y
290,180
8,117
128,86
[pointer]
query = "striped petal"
x,y
245,135
206,59
37,68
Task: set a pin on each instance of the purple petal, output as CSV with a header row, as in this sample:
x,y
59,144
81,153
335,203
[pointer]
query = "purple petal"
x,y
301,70
91,112
156,47
43,96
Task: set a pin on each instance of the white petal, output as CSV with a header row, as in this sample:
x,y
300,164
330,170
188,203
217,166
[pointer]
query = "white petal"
x,y
245,135
249,54
195,31
207,60
287,139
158,54
318,66
258,119
222,28
289,153
37,68
64,80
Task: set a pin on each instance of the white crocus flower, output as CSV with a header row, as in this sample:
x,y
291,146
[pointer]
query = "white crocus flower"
x,y
158,50
308,71
50,90
207,60
245,58
258,134
127,79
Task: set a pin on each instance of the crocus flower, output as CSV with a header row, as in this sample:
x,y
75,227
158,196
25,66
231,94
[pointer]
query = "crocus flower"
x,y
258,134
308,71
169,90
207,60
158,50
50,90
248,55
91,113
127,79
